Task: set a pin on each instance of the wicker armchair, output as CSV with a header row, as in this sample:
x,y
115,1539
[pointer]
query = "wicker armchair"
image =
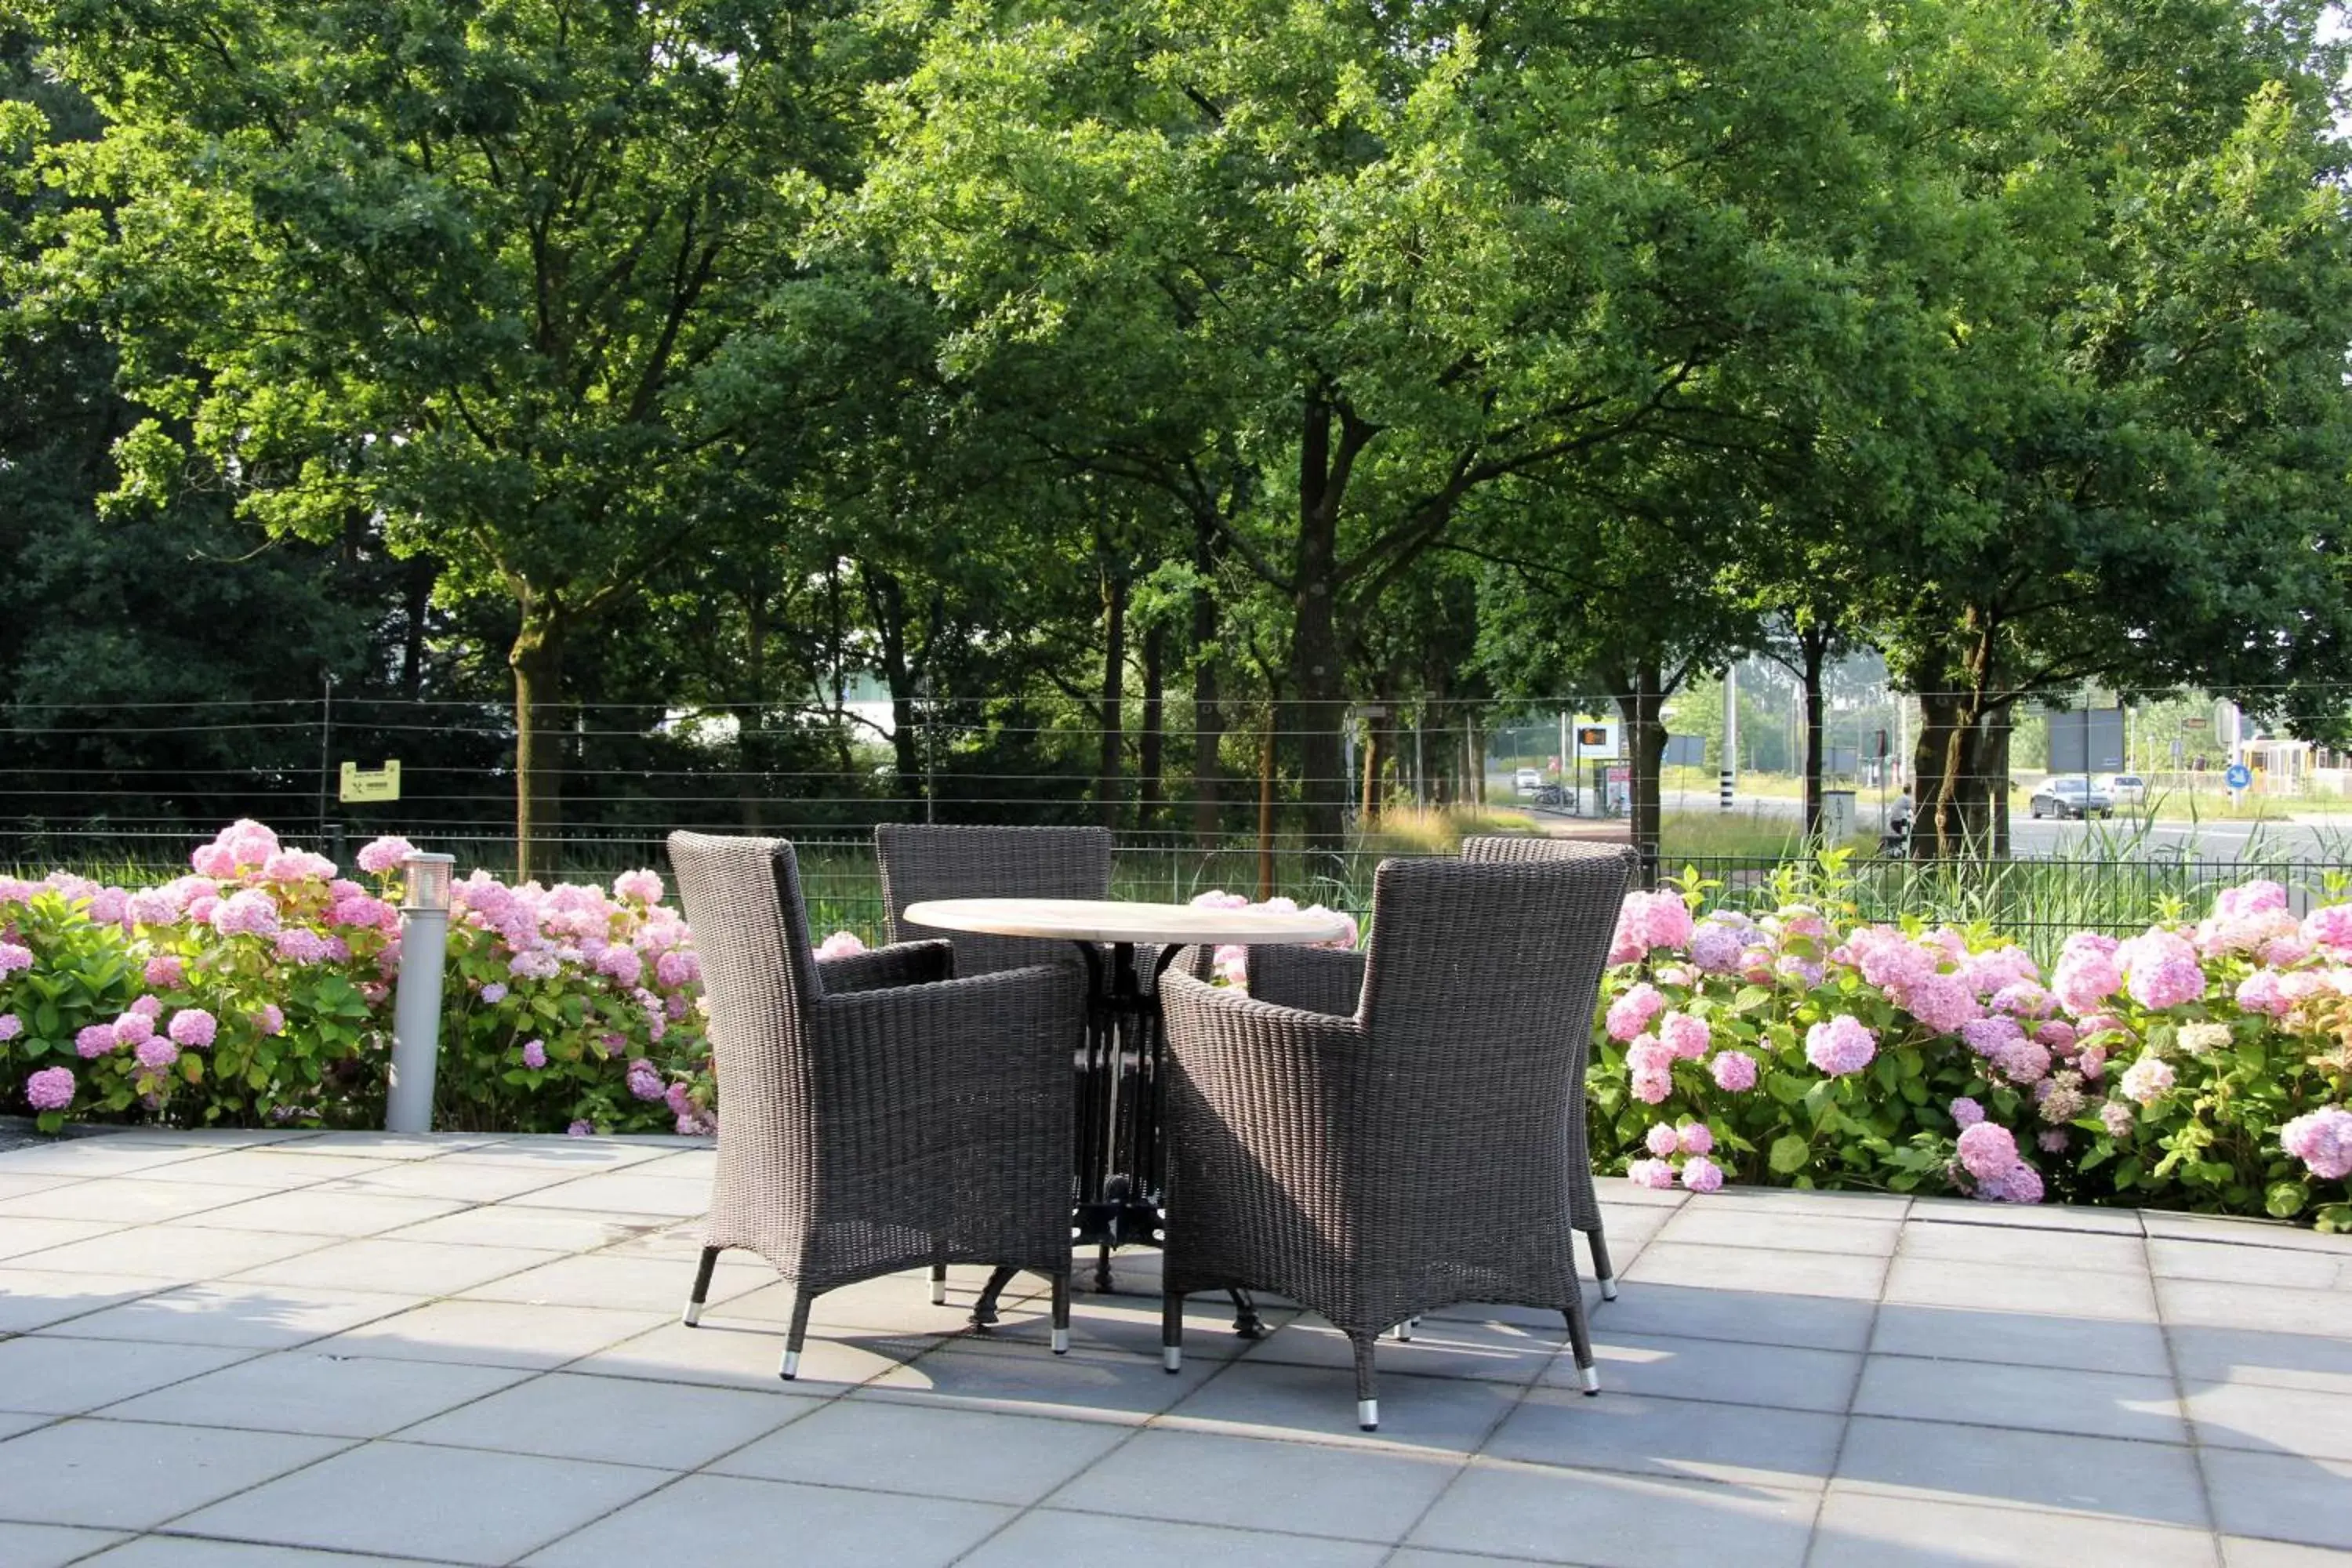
x,y
875,1114
1412,1152
921,862
1584,1202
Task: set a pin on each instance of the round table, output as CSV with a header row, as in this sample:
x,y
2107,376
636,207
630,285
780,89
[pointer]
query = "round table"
x,y
1119,1167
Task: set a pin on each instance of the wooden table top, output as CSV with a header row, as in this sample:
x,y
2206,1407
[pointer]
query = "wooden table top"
x,y
1115,920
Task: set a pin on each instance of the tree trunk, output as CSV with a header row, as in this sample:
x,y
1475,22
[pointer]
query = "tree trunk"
x,y
1999,726
1647,748
887,601
1313,721
1151,746
1208,724
417,603
1815,651
1113,695
1265,812
537,661
1369,814
751,717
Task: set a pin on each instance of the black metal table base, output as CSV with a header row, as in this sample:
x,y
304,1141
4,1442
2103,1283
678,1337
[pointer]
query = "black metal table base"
x,y
1119,1166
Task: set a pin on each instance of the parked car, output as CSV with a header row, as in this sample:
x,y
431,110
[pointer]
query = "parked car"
x,y
2071,796
2127,789
1526,781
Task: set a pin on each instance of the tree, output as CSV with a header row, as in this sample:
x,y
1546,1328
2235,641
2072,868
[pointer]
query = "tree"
x,y
481,270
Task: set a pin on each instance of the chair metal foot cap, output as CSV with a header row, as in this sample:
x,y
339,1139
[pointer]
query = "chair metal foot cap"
x,y
1404,1332
791,1367
1367,1414
939,1292
1609,1288
1590,1377
1061,1342
1172,1359
692,1315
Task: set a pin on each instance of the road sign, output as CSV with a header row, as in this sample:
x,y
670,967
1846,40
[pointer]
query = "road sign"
x,y
2196,723
371,784
1591,737
2238,776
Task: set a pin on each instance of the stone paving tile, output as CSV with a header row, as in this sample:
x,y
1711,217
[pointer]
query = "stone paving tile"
x,y
253,1317
1725,1371
304,1391
121,1200
50,1545
1306,1403
193,1551
388,1265
2242,1232
1570,1516
1026,1380
2267,1307
1795,1201
1618,1190
976,1455
2154,1482
2012,1216
2000,1286
1051,1535
182,1253
471,1184
391,1146
2018,1247
490,1334
722,1522
2020,1339
622,1421
1864,1529
1441,1347
459,1505
111,1156
2210,1357
272,1169
531,1229
627,1284
41,1375
2243,1551
1201,1478
127,1475
737,1355
34,1298
2044,1399
15,1186
323,1213
622,1192
20,1236
2277,1497
581,1156
1719,1268
1764,1226
2274,1420
1672,1438
2175,1259
1744,1316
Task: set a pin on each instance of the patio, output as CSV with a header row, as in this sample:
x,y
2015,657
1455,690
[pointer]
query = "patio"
x,y
263,1349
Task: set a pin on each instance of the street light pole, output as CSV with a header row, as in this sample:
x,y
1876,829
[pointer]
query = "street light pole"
x,y
1729,776
416,1005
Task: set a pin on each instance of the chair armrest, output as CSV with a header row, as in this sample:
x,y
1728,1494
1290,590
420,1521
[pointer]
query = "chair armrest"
x,y
1013,1023
1328,980
1217,1031
902,963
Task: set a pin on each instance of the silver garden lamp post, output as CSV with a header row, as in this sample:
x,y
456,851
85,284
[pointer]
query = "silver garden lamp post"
x,y
416,1005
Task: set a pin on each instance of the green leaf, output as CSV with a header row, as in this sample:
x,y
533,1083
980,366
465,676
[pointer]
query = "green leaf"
x,y
1790,1154
2284,1200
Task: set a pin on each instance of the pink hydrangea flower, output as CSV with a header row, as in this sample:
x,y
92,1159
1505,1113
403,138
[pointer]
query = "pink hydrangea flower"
x,y
94,1040
2161,969
2262,993
193,1026
1701,1174
1653,1173
2322,1139
14,957
840,944
165,973
133,1028
1716,948
679,1099
2117,1117
2330,926
579,1130
11,1026
2255,898
51,1088
534,1054
2023,999
1987,1036
248,913
1840,1046
1631,1014
300,944
676,968
638,887
1686,1036
2023,1061
383,856
1649,1055
1987,1149
645,1080
494,993
1218,898
2020,1183
151,1005
2052,1140
2091,1061
269,1019
1695,1138
2147,1080
1660,1140
157,1054
1942,1002
1966,1112
214,860
2057,1034
297,866
2087,973
1650,920
1652,1087
1734,1071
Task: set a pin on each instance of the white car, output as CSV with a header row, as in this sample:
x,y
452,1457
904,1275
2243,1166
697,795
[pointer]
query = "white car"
x,y
1526,781
2127,789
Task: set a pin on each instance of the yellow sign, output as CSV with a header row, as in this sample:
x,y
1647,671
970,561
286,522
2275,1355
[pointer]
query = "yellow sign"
x,y
375,784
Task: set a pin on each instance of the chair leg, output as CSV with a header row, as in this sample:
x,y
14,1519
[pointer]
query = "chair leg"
x,y
1062,1312
939,1284
1368,1393
1580,1339
1171,1330
1405,1328
701,1291
802,1300
1600,1270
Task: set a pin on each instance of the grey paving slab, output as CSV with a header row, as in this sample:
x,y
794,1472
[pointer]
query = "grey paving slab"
x,y
2042,1399
1699,1311
268,1168
195,1552
2278,1496
129,1475
2243,1551
624,1192
2021,1247
2020,1339
2210,1356
745,1356
323,1213
2027,1216
1770,1226
532,1229
459,1505
386,1264
491,1333
258,1317
725,1522
1725,1371
1857,1277
1439,1347
35,1298
2007,1288
49,1375
1574,1515
1864,1529
1026,1380
617,1420
1796,1201
20,1235
1676,1438
580,1156
629,1284
50,1545
2237,1232
1124,1325
1306,1403
1201,1478
121,1200
181,1253
2177,1258
2204,1303
473,1182
391,1146
2154,1482
322,1395
95,1157
1051,1535
2303,1422
13,1187
978,1455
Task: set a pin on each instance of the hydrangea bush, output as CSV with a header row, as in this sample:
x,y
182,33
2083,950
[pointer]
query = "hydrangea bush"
x,y
257,990
2201,1064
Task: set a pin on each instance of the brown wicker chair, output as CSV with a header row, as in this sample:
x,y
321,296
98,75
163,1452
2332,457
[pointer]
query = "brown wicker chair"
x,y
1412,1152
875,1114
921,862
1584,1202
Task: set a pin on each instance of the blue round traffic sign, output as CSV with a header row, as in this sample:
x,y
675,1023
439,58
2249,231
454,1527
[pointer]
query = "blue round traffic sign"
x,y
2240,777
